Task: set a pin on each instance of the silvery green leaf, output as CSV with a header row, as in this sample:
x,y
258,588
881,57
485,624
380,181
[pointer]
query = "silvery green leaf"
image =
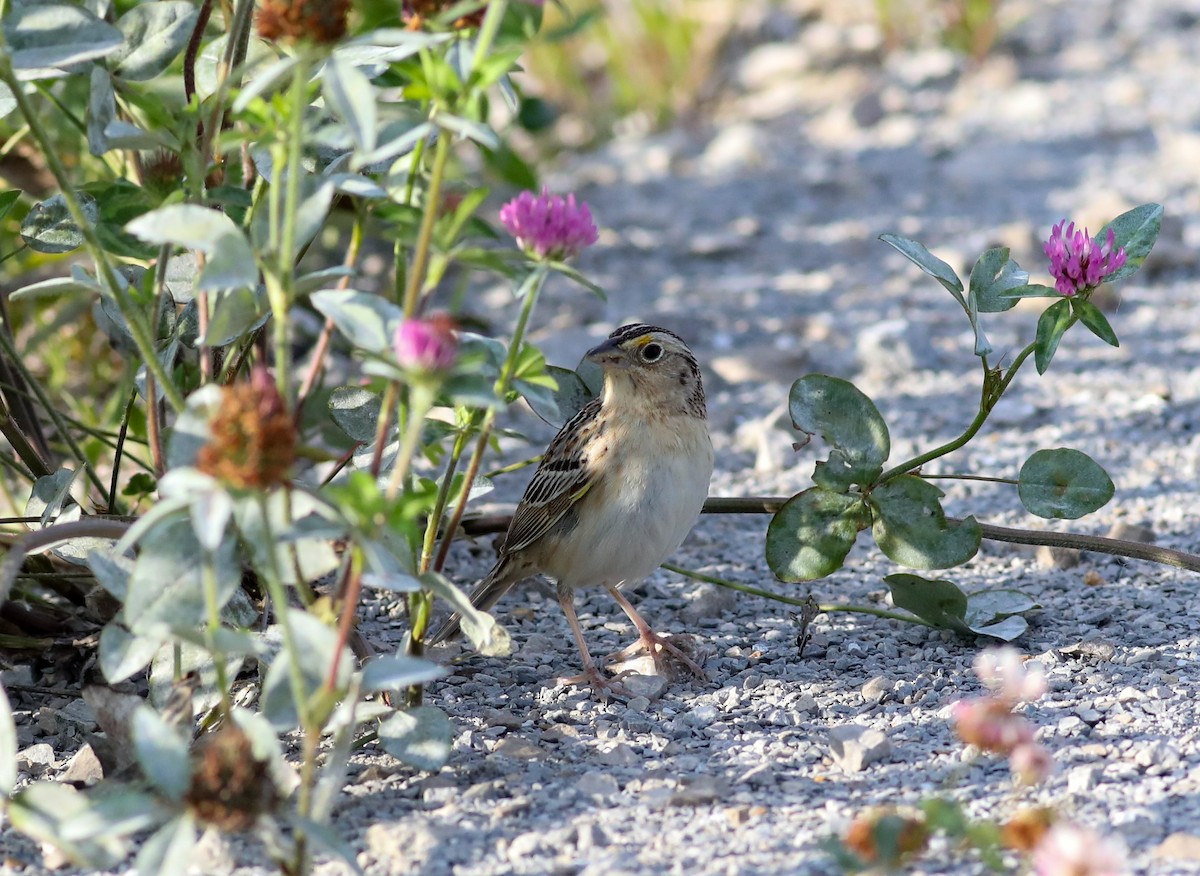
x,y
349,94
162,753
476,131
167,586
488,637
1006,630
420,737
158,513
192,430
8,746
356,186
56,35
259,54
111,571
181,275
394,671
122,653
154,33
367,320
316,196
186,483
320,279
230,260
120,812
398,138
49,228
307,554
54,287
356,411
314,646
236,313
269,79
211,511
327,839
397,582
8,103
387,45
49,495
101,110
192,658
170,848
124,135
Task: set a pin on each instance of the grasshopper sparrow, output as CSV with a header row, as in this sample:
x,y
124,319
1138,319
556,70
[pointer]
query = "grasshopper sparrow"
x,y
617,490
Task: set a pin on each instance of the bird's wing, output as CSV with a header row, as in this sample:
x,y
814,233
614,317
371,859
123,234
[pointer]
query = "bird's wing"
x,y
562,479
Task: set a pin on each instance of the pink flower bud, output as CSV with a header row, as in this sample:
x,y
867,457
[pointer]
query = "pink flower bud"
x,y
1004,671
1071,850
428,344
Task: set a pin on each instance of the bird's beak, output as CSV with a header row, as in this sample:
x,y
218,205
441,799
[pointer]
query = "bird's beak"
x,y
607,354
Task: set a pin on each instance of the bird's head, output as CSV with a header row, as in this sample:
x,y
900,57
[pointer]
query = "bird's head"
x,y
650,367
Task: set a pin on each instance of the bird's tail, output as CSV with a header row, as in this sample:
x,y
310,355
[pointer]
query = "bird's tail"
x,y
487,593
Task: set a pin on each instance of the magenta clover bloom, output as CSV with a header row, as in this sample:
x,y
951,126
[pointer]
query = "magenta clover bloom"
x,y
1079,263
549,226
428,345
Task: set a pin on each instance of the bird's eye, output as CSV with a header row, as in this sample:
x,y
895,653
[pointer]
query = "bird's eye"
x,y
652,352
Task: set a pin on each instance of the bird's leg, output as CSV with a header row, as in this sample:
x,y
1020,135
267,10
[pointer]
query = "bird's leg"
x,y
591,674
650,641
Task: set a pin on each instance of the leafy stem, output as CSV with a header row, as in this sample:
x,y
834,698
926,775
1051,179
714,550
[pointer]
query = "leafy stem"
x,y
139,329
827,607
208,573
416,272
985,409
532,288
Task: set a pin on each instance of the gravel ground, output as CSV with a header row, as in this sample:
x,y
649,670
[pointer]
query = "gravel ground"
x,y
753,236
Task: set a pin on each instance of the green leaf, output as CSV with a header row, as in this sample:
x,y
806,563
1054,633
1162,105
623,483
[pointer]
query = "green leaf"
x,y
235,313
420,737
54,287
929,263
356,411
169,849
367,320
9,198
121,653
811,534
1063,484
1050,327
845,418
154,34
393,672
314,647
937,601
49,228
480,628
230,260
8,746
50,35
161,752
8,103
351,97
1090,315
1031,290
913,530
472,130
1136,231
568,398
993,275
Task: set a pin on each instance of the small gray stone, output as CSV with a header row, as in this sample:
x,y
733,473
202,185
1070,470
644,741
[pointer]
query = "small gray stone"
x,y
1049,557
876,689
1089,716
638,705
1178,846
619,755
36,758
853,747
519,748
597,784
525,844
651,687
84,767
1070,724
1132,532
700,791
1081,779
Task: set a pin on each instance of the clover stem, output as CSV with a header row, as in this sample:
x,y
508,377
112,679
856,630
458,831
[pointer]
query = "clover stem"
x,y
416,273
827,607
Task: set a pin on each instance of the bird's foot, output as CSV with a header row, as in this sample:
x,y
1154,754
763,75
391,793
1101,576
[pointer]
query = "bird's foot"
x,y
669,654
601,684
